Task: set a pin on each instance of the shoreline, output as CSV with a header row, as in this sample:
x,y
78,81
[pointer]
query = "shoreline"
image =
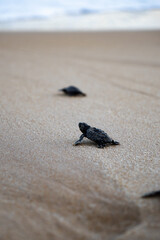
x,y
126,20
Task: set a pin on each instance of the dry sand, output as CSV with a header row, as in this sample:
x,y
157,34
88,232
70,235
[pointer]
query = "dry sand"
x,y
50,189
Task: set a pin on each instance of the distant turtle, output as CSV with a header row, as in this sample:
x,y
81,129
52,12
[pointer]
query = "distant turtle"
x,y
151,194
96,135
72,91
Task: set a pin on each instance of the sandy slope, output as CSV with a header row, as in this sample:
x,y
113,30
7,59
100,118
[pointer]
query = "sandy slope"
x,y
50,189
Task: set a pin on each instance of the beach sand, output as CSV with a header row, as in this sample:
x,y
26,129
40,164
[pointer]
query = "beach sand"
x,y
50,189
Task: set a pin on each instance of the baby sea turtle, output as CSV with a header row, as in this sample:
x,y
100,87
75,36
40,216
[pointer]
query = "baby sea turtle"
x,y
151,194
96,135
72,91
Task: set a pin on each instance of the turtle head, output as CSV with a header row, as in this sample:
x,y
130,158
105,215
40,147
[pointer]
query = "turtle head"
x,y
83,127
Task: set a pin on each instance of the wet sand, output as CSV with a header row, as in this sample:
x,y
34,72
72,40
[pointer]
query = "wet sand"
x,y
50,189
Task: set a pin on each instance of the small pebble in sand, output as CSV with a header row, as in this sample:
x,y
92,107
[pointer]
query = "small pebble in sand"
x,y
96,135
72,91
151,194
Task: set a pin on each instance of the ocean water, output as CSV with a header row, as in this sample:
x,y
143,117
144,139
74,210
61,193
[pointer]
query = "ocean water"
x,y
23,12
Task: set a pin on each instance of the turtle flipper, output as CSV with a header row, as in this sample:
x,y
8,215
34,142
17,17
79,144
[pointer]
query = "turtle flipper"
x,y
115,142
80,140
151,194
101,145
83,94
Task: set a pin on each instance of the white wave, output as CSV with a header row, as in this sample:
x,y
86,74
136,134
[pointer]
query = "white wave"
x,y
11,10
147,20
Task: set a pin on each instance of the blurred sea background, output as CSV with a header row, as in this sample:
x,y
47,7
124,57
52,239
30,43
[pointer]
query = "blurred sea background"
x,y
85,15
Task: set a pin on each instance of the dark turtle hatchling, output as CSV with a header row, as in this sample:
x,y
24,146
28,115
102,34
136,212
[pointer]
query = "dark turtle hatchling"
x,y
96,135
72,91
151,194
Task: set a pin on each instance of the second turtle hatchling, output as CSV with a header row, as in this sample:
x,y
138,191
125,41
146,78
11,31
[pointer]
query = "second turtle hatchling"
x,y
96,135
72,91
